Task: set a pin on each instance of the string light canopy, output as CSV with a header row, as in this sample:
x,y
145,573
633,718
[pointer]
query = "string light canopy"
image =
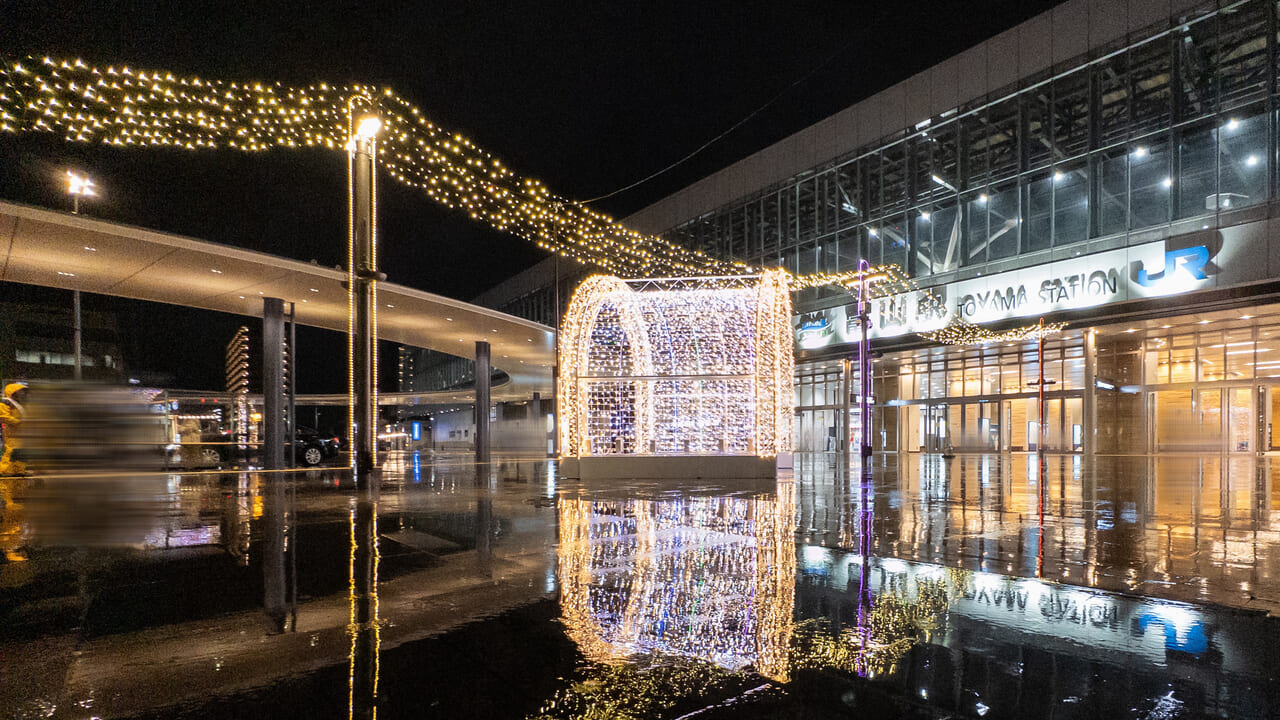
x,y
966,333
124,106
685,366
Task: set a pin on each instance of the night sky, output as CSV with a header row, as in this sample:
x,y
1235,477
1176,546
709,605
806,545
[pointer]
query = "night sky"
x,y
588,97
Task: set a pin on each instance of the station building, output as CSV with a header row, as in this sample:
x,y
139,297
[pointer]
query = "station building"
x,y
1111,164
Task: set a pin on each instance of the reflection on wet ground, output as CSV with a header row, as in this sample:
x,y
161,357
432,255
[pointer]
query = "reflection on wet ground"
x,y
978,586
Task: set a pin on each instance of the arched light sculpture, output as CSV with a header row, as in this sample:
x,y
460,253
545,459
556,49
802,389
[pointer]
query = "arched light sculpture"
x,y
677,367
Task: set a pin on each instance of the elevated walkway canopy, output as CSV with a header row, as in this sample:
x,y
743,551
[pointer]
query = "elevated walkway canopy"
x,y
75,252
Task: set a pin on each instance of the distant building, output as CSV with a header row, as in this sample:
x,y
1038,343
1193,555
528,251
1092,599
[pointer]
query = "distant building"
x,y
37,343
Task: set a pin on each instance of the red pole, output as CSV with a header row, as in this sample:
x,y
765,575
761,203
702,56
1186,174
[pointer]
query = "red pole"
x,y
1040,427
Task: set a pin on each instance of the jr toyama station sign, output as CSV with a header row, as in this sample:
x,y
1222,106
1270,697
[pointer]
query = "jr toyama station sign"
x,y
1173,266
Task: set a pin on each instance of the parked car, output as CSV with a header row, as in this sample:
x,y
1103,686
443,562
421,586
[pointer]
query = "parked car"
x,y
312,448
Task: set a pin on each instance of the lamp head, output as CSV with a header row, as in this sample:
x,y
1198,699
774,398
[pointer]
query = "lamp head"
x,y
79,184
368,127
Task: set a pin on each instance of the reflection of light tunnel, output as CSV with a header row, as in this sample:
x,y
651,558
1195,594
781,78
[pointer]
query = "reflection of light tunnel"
x,y
695,366
709,578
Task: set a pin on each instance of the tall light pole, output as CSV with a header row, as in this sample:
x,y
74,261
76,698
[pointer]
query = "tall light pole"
x,y
864,363
77,186
362,289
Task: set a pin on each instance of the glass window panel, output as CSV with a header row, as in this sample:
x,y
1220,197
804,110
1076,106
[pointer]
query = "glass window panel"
x,y
1037,113
1039,204
851,203
1242,53
1240,354
1002,223
1113,99
1052,371
1197,171
896,241
1010,381
975,229
1151,106
937,383
1268,357
1182,359
1071,114
891,188
1212,364
1197,68
974,136
1113,191
1070,205
1149,184
1002,139
945,228
921,227
1243,161
1072,377
1156,362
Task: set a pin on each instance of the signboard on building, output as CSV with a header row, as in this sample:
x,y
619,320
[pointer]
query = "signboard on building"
x,y
1174,266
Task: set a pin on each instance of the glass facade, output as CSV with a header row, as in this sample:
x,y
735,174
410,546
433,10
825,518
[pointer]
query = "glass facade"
x,y
1177,127
1179,385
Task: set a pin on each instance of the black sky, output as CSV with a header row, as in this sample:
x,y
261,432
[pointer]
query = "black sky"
x,y
586,96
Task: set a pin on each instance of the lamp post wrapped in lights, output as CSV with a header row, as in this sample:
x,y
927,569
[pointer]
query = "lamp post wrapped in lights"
x,y
362,277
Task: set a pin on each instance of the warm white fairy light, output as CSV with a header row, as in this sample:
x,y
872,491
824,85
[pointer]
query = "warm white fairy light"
x,y
676,366
711,578
125,107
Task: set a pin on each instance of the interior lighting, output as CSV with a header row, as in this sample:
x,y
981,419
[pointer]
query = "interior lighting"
x,y
1251,160
1246,317
1166,183
1204,322
943,183
983,198
1057,175
1232,124
924,215
1140,152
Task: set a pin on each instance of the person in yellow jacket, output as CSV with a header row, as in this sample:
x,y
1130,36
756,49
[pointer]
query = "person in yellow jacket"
x,y
11,415
12,526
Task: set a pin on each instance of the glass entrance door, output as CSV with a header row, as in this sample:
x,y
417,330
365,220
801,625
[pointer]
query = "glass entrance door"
x,y
1242,423
937,428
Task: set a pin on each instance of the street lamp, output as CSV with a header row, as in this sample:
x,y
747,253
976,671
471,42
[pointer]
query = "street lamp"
x,y
78,185
362,277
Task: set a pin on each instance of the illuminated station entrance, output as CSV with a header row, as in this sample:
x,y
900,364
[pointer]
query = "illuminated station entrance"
x,y
1198,383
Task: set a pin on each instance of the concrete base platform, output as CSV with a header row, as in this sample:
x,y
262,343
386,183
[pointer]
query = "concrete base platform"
x,y
699,467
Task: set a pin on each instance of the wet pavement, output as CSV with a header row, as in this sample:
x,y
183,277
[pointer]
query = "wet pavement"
x,y
979,586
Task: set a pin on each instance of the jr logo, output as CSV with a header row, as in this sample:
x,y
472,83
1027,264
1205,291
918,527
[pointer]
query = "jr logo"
x,y
1192,260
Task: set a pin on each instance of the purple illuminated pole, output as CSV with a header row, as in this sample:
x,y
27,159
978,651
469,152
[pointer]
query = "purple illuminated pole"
x,y
864,363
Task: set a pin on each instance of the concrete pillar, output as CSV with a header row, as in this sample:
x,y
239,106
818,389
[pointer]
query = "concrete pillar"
x,y
75,340
273,383
1089,403
273,459
482,401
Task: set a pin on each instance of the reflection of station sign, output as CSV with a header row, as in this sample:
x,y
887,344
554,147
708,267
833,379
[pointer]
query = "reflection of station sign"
x,y
1181,264
1049,613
